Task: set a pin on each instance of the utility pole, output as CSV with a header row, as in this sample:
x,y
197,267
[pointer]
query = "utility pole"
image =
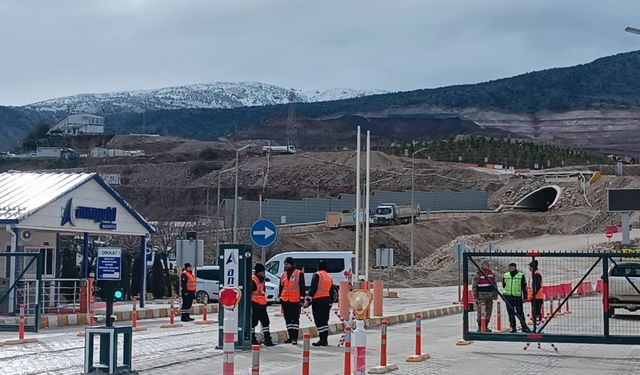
x,y
367,207
358,213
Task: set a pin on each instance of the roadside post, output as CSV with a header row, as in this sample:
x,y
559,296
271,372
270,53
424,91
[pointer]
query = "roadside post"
x,y
109,271
229,298
235,273
360,300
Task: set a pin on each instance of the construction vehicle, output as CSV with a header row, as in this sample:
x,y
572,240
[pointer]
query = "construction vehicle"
x,y
344,219
290,149
394,214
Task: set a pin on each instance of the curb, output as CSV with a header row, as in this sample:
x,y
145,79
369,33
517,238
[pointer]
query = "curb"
x,y
281,336
64,320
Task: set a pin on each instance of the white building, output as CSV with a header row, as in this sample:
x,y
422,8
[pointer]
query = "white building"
x,y
100,153
79,124
36,208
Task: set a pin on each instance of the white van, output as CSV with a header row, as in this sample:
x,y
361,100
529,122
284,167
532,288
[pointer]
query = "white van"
x,y
208,285
339,264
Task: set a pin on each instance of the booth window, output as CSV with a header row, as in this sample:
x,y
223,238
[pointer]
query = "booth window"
x,y
48,257
3,264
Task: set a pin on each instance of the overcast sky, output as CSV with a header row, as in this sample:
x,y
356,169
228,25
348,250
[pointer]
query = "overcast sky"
x,y
56,48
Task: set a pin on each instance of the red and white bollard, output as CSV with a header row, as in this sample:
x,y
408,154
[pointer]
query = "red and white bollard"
x,y
229,299
347,350
465,306
419,356
306,353
383,368
21,324
172,318
134,319
255,360
204,315
360,344
90,313
228,348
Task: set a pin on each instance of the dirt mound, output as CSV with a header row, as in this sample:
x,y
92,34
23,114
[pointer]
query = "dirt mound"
x,y
444,256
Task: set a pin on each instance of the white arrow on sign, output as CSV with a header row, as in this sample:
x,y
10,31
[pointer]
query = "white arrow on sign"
x,y
267,232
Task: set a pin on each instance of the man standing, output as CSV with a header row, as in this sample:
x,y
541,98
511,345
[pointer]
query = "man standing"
x,y
292,292
188,288
259,306
514,285
321,291
536,292
484,292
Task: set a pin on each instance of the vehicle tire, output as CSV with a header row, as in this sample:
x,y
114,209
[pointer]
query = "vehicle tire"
x,y
336,294
201,295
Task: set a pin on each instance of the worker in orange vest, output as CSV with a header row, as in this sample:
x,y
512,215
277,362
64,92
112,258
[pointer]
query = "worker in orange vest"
x,y
536,292
292,293
322,293
188,294
259,306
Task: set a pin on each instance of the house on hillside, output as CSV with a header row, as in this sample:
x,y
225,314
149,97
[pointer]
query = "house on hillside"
x,y
79,125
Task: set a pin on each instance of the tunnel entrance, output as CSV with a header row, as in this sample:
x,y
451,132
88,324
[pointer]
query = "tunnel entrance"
x,y
540,200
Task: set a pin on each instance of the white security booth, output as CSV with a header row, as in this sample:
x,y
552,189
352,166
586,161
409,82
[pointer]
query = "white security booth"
x,y
37,208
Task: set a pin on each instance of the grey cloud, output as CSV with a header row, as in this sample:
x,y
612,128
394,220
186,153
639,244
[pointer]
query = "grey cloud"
x,y
64,47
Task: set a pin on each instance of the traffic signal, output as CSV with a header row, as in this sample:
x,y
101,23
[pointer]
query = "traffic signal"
x,y
118,294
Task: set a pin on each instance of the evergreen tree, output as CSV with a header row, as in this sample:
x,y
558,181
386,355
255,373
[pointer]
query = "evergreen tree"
x,y
158,283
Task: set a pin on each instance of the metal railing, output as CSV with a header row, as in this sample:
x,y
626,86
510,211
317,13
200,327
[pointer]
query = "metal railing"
x,y
58,295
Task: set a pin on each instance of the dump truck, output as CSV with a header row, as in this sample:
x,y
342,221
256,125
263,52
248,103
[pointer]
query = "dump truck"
x,y
339,220
344,219
290,149
394,214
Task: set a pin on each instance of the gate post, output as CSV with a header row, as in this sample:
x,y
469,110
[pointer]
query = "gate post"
x,y
465,295
605,294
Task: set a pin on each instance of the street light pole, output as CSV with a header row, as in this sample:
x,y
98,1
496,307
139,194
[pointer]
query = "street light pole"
x,y
632,30
235,198
413,204
218,207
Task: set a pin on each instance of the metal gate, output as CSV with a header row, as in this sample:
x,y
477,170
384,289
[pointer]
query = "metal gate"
x,y
588,298
20,284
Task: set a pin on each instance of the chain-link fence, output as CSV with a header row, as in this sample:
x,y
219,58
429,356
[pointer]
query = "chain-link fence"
x,y
552,297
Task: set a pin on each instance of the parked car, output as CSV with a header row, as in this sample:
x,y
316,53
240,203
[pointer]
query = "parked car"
x,y
624,287
272,286
339,264
207,283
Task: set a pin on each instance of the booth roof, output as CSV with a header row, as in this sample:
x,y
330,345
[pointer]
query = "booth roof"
x,y
24,193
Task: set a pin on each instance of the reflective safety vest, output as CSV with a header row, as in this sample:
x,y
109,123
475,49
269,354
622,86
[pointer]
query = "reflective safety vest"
x,y
191,281
513,284
290,286
325,282
486,283
540,293
258,296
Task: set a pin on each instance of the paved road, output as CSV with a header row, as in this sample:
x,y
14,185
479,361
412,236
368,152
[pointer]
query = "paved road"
x,y
439,341
192,350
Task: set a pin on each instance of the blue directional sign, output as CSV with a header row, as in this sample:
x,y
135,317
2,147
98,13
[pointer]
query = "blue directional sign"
x,y
109,263
264,233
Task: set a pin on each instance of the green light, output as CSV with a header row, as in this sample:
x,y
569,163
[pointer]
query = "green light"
x,y
118,294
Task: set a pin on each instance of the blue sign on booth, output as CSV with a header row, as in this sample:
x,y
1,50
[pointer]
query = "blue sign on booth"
x,y
264,233
109,263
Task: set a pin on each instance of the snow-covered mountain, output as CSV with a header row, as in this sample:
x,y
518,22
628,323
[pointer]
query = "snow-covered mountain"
x,y
208,95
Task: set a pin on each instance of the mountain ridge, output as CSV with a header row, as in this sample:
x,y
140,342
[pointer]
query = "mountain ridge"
x,y
216,95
